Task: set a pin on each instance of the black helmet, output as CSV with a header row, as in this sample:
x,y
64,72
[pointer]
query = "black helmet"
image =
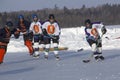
x,y
51,16
9,24
87,21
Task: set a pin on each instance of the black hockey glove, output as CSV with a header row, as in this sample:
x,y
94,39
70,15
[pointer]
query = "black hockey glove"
x,y
44,32
103,30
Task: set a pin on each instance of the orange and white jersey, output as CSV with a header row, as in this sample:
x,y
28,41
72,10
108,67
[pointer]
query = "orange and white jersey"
x,y
93,31
52,29
35,27
95,27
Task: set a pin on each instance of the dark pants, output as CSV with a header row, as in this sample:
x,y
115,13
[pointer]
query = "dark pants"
x,y
47,39
28,36
98,49
38,38
98,43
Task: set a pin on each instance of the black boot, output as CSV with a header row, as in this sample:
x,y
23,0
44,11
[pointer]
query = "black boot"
x,y
1,62
46,57
97,57
101,57
57,57
36,55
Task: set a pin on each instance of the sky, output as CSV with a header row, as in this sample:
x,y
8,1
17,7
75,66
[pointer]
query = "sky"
x,y
17,5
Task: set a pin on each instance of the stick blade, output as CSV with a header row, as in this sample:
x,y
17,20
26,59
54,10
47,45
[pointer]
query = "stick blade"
x,y
86,61
81,49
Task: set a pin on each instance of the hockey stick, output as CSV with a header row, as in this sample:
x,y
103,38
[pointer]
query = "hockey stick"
x,y
112,38
91,56
81,49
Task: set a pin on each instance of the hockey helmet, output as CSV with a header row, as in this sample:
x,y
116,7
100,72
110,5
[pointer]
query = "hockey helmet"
x,y
51,16
87,21
21,17
9,24
34,16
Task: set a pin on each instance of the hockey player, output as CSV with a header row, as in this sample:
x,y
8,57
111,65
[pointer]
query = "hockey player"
x,y
23,27
93,37
35,27
51,32
5,34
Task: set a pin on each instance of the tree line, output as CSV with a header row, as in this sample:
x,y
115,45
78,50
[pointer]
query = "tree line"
x,y
107,13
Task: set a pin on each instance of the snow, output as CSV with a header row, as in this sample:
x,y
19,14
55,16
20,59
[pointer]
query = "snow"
x,y
18,65
74,38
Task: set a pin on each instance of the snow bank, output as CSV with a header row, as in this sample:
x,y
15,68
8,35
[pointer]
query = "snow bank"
x,y
74,38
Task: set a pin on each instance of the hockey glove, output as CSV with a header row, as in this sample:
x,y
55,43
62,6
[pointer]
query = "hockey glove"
x,y
103,30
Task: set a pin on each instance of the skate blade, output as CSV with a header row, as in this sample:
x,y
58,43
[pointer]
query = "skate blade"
x,y
57,59
36,56
86,61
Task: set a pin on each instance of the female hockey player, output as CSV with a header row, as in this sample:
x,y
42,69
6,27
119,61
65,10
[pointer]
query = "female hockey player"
x,y
5,34
35,27
51,32
93,38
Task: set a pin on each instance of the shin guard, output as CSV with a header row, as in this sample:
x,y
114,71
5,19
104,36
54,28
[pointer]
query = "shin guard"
x,y
28,43
2,54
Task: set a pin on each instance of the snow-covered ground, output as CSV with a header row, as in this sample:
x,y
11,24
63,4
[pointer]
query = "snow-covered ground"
x,y
74,38
18,65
